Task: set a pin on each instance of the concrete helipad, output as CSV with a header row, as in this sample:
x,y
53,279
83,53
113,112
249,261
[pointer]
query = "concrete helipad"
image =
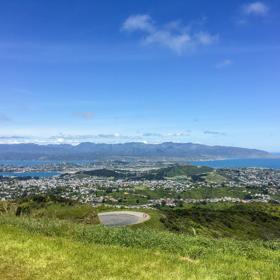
x,y
122,218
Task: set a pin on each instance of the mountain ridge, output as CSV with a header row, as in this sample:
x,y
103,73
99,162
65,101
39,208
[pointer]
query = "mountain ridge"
x,y
89,151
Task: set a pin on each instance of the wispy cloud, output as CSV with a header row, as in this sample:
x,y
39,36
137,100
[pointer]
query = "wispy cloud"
x,y
151,134
167,39
206,38
172,35
167,135
139,22
97,138
255,8
84,115
224,63
15,139
179,134
217,133
12,137
62,138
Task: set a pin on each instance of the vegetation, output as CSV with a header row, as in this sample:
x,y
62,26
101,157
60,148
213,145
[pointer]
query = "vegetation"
x,y
176,170
156,174
117,174
142,194
55,239
226,220
52,207
58,249
216,220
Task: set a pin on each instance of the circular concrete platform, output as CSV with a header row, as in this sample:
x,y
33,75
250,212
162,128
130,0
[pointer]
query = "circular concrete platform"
x,y
122,218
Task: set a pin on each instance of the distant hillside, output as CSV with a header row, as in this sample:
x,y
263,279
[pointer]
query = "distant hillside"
x,y
106,173
156,174
91,151
175,170
186,170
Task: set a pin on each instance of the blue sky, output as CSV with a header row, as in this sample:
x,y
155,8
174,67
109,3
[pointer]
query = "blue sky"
x,y
120,71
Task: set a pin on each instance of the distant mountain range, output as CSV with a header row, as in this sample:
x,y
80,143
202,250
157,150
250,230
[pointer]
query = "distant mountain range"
x,y
91,151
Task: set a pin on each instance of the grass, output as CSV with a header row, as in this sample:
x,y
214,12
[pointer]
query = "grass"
x,y
32,256
53,239
231,220
59,249
215,177
214,192
77,213
53,208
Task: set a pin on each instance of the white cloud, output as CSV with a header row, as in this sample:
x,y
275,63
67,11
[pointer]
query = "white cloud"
x,y
74,139
216,133
172,35
60,140
138,22
16,139
255,8
179,134
224,63
166,38
97,138
206,38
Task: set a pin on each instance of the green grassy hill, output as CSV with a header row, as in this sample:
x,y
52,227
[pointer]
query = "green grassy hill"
x,y
176,170
156,174
187,170
45,249
54,239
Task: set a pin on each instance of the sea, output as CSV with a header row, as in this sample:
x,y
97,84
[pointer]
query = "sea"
x,y
271,163
32,163
29,174
26,163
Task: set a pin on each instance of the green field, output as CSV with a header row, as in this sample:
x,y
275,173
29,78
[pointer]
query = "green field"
x,y
61,240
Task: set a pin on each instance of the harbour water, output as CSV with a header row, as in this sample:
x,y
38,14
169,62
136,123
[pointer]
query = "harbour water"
x,y
29,174
273,163
37,167
26,163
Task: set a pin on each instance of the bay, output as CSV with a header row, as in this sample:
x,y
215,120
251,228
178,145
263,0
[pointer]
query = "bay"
x,y
273,163
30,174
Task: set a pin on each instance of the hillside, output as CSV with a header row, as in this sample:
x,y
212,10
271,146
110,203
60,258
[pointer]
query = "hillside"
x,y
105,173
44,249
50,238
232,220
154,174
226,220
91,151
176,170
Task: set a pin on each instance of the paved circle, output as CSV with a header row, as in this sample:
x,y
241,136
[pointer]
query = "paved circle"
x,y
122,218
